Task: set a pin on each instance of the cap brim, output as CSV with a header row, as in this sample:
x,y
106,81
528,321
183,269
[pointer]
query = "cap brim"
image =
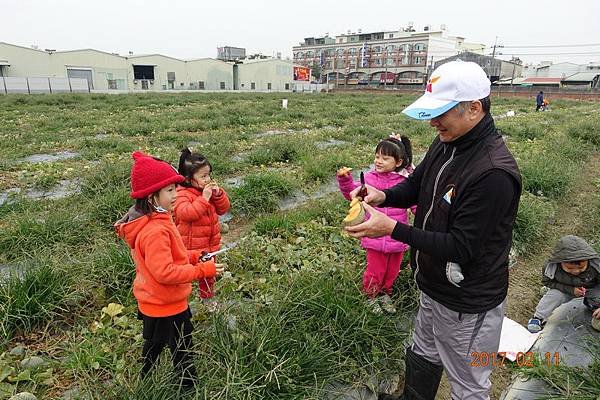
x,y
426,107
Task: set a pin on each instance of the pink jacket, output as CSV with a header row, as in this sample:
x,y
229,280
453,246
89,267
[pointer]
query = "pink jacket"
x,y
384,244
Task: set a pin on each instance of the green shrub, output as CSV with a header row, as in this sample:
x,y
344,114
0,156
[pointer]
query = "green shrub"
x,y
587,129
110,268
330,211
31,233
532,219
107,192
315,331
33,299
278,150
260,193
523,130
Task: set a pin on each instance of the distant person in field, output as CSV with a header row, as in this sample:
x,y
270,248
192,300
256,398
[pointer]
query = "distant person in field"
x,y
573,270
164,268
467,191
539,101
393,164
200,201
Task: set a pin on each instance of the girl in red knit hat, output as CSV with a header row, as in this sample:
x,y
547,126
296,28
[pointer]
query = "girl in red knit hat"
x,y
199,203
164,267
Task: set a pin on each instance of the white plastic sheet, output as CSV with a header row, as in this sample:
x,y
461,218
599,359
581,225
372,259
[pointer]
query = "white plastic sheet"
x,y
515,339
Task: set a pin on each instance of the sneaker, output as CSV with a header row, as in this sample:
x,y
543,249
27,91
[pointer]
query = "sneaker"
x,y
596,323
211,304
534,325
387,304
374,306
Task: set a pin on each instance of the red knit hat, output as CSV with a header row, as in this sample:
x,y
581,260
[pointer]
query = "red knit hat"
x,y
149,175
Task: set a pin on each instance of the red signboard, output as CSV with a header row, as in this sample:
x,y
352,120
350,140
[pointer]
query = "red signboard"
x,y
387,77
301,74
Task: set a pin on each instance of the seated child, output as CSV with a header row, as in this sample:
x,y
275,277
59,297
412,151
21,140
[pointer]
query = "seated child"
x,y
573,270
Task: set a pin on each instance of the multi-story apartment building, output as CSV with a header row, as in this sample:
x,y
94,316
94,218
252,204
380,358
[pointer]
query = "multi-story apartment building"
x,y
389,57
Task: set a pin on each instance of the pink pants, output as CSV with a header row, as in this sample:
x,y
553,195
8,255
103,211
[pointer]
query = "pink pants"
x,y
205,287
382,270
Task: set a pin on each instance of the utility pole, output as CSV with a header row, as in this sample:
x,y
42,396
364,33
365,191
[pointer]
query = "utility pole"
x,y
495,44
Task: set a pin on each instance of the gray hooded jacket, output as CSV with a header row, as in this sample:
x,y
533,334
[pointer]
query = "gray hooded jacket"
x,y
571,248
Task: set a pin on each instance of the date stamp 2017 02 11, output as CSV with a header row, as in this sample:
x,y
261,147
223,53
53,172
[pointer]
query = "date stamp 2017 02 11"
x,y
527,359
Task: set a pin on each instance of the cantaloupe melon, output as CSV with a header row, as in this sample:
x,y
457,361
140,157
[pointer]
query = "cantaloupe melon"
x,y
356,214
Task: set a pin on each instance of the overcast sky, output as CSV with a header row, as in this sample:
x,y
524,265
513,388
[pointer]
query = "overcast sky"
x,y
195,28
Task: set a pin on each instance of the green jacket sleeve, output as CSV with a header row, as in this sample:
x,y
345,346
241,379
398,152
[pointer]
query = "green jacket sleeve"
x,y
552,284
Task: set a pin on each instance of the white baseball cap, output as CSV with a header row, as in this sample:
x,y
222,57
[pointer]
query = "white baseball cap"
x,y
450,83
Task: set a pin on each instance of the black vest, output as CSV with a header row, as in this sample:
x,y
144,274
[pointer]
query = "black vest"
x,y
456,165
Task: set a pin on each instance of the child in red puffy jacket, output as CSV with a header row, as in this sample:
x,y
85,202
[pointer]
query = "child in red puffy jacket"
x,y
199,203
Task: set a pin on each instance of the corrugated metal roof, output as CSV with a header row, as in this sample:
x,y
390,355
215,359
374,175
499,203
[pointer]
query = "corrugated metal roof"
x,y
541,81
582,77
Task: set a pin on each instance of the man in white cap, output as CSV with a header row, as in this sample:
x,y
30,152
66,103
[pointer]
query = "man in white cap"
x,y
467,190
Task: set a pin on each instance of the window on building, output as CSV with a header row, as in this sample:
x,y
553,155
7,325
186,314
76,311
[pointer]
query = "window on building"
x,y
287,86
405,47
405,60
352,52
419,47
390,48
389,61
418,60
222,86
201,85
329,52
378,61
269,86
252,85
143,72
377,49
112,84
391,36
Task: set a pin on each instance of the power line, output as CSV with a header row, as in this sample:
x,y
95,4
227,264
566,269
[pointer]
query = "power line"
x,y
510,53
549,45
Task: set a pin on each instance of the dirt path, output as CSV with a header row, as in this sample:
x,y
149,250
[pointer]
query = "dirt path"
x,y
525,276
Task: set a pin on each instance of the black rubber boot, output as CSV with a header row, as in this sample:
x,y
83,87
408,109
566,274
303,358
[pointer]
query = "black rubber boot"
x,y
421,377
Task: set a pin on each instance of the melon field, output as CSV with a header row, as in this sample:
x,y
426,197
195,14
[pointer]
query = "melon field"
x,y
291,321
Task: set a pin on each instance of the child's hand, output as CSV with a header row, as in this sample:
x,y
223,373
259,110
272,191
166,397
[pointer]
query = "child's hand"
x,y
207,192
344,171
220,268
579,291
214,186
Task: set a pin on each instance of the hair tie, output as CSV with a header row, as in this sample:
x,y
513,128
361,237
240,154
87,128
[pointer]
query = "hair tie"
x,y
395,136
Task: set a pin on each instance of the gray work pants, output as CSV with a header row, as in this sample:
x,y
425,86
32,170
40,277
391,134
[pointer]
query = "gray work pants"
x,y
456,341
550,301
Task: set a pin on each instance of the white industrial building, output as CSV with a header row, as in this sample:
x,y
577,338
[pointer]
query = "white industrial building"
x,y
45,70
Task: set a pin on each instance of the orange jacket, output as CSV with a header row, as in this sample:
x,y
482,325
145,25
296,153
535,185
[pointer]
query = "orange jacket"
x,y
163,266
198,220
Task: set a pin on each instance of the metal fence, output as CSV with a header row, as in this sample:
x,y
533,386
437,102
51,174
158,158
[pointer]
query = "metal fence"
x,y
9,84
582,93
